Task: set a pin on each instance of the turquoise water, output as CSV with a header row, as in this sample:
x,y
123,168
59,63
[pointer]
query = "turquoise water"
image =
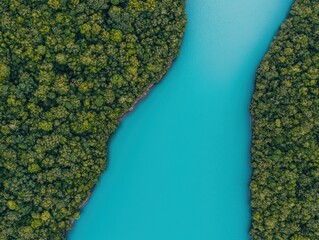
x,y
179,164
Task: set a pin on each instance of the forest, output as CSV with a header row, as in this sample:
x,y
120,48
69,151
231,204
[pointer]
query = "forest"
x,y
69,70
285,145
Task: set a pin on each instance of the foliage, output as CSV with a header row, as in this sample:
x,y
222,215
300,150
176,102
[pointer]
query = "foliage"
x,y
68,71
285,148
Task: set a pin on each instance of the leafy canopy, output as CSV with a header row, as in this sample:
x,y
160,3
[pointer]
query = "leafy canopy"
x,y
285,148
68,71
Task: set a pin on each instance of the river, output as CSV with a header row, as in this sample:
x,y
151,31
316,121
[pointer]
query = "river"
x,y
179,163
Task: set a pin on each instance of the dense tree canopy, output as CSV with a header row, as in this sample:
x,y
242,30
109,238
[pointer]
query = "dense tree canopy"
x,y
69,69
285,150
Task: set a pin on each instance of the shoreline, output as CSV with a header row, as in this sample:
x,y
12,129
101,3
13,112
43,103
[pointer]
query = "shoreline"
x,y
147,91
134,105
251,116
137,101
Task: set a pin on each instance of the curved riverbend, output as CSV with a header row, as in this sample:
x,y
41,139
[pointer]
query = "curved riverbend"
x,y
179,163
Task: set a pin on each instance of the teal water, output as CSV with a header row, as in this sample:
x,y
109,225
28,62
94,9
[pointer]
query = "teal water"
x,y
179,163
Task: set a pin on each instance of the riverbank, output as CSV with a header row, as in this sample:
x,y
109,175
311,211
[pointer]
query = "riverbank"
x,y
141,98
252,120
285,134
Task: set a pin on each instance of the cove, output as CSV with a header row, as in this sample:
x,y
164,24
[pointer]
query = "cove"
x,y
179,163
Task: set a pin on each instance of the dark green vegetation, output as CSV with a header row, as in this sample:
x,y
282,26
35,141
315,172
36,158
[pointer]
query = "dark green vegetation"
x,y
285,151
69,69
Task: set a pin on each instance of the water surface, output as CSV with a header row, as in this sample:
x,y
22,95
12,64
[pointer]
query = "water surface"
x,y
179,164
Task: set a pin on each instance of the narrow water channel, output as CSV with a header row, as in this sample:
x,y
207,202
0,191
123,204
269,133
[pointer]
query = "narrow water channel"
x,y
179,163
